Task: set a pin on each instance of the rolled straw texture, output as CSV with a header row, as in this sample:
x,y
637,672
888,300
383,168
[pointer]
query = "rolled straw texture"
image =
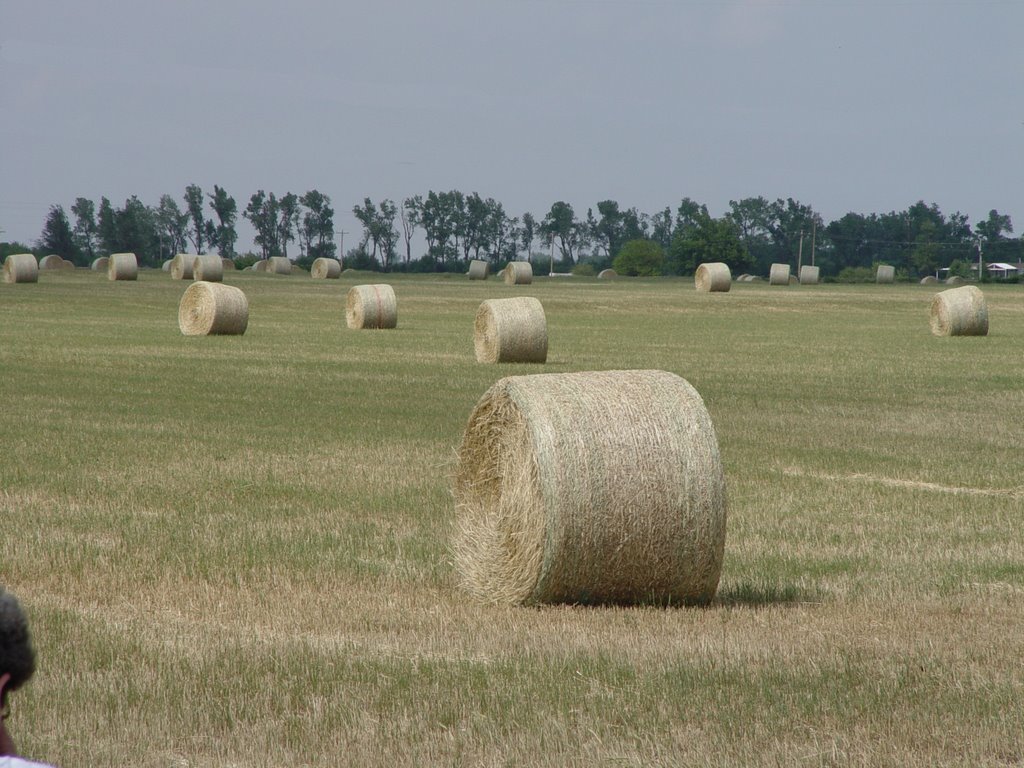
x,y
166,266
260,266
596,487
67,264
21,268
326,269
518,273
208,268
960,312
954,280
279,265
181,266
713,277
100,264
929,280
511,331
779,274
478,270
886,273
371,306
53,261
209,309
122,266
809,275
607,274
227,264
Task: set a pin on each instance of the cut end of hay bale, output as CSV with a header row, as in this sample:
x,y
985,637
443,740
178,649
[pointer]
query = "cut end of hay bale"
x,y
182,265
21,268
599,487
779,274
209,309
713,277
122,266
278,265
326,269
208,268
809,275
53,261
478,269
518,273
886,273
511,331
959,312
371,306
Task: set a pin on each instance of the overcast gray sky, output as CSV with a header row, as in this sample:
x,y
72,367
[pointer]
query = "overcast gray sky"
x,y
846,106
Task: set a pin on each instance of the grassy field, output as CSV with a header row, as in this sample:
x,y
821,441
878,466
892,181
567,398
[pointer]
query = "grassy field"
x,y
235,550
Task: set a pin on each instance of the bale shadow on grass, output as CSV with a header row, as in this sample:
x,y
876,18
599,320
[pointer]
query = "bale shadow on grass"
x,y
753,594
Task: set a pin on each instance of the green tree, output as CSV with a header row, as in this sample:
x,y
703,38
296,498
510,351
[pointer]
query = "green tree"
x,y
58,238
226,210
106,227
561,227
194,205
262,213
317,229
287,221
527,233
409,214
172,227
86,232
707,240
639,257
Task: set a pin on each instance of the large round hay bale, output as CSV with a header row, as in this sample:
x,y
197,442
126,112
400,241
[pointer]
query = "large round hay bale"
x,y
886,273
955,280
181,266
99,264
53,261
371,306
479,270
518,273
208,267
959,312
809,275
326,269
279,265
607,274
929,280
713,277
21,268
779,274
227,264
209,309
511,331
122,266
596,487
260,266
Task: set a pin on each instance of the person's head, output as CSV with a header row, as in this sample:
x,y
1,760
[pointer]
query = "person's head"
x,y
17,659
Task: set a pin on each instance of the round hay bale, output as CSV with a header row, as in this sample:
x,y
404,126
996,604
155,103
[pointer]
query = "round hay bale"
x,y
260,266
166,266
279,265
929,280
886,273
21,268
67,264
511,331
99,264
742,278
607,274
227,264
779,274
209,268
959,312
479,270
793,280
209,309
713,277
518,273
595,487
371,306
53,261
122,266
809,275
326,269
181,266
955,280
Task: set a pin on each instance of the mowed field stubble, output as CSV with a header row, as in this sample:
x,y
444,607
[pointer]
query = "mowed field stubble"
x,y
236,551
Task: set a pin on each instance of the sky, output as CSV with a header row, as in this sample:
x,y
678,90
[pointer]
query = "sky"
x,y
864,106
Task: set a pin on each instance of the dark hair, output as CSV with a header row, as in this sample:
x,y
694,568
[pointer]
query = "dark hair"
x,y
17,658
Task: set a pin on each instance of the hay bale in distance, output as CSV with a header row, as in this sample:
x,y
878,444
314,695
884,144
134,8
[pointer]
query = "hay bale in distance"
x,y
607,274
886,273
478,269
53,261
208,268
518,273
793,280
371,306
779,274
596,487
959,312
955,280
326,269
213,309
227,264
122,266
809,275
278,265
99,264
511,331
929,280
259,266
67,264
166,266
713,277
181,266
21,268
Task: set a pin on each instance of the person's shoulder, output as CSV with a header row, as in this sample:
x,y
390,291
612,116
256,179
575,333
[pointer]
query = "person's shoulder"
x,y
18,762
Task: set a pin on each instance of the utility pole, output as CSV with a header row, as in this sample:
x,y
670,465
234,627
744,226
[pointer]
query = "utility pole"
x,y
980,263
341,248
814,232
800,254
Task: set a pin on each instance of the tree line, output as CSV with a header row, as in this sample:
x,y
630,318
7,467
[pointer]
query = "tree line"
x,y
450,228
